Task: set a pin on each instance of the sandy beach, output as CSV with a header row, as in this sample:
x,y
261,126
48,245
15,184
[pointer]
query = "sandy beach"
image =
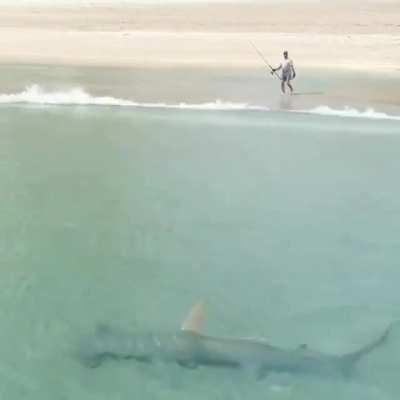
x,y
363,35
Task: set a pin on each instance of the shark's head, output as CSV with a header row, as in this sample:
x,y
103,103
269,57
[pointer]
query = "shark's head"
x,y
108,343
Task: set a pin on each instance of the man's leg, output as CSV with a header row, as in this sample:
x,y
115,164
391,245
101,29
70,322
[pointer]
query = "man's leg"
x,y
290,86
283,86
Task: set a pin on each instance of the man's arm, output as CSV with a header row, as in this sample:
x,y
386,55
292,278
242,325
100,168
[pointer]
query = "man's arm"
x,y
293,70
276,69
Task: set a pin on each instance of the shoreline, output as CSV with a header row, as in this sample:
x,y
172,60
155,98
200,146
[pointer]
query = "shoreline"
x,y
195,85
201,53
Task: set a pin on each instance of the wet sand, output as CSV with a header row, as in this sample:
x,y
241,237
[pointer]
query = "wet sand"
x,y
195,85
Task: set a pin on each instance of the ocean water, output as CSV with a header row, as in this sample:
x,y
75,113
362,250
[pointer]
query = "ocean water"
x,y
285,223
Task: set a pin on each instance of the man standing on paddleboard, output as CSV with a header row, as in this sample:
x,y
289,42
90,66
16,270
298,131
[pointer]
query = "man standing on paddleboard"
x,y
288,72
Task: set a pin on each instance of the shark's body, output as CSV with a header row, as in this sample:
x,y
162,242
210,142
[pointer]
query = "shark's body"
x,y
191,349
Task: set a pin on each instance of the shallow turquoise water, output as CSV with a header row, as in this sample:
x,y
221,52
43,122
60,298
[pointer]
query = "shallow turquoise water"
x,y
287,225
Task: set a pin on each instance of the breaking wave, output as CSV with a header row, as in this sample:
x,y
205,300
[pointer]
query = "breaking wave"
x,y
350,113
35,94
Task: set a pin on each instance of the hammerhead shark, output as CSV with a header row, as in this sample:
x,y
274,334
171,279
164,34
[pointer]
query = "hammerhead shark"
x,y
190,348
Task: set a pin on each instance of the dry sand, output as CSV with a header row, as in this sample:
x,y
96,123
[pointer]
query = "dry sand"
x,y
358,36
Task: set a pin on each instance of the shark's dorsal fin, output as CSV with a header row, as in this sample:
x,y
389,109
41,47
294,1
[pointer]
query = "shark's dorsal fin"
x,y
303,346
194,322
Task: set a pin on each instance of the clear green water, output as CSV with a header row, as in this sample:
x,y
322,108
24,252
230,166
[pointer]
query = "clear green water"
x,y
286,225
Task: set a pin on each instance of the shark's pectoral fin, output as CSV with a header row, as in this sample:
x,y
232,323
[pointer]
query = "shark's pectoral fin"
x,y
262,373
188,364
195,319
92,360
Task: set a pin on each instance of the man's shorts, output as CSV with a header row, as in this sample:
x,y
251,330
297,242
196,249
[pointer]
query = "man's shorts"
x,y
287,76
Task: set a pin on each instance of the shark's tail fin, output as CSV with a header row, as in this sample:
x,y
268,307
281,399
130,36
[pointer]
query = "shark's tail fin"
x,y
351,359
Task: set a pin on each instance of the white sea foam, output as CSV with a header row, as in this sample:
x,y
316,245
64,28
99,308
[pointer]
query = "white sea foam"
x,y
350,113
36,95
